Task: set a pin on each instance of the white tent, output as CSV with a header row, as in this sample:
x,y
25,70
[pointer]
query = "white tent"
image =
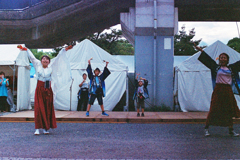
x,y
78,59
179,59
14,63
193,84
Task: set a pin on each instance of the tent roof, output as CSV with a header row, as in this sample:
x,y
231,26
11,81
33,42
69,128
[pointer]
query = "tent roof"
x,y
179,59
82,52
8,54
128,60
214,50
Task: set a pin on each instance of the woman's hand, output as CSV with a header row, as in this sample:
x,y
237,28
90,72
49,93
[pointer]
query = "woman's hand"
x,y
198,48
68,47
7,81
22,48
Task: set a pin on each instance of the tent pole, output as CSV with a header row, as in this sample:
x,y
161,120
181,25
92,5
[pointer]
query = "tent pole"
x,y
14,73
127,92
71,95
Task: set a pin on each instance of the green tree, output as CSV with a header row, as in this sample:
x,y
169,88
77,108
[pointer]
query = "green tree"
x,y
39,54
112,42
234,44
183,43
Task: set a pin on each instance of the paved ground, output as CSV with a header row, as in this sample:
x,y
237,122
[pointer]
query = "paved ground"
x,y
118,141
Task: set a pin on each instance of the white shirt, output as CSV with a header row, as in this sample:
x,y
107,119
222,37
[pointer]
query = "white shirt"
x,y
43,74
85,84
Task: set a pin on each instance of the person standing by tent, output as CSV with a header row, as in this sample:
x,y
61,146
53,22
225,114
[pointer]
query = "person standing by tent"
x,y
140,94
3,91
223,103
44,115
83,94
97,86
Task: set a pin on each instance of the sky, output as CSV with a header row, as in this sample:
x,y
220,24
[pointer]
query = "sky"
x,y
209,32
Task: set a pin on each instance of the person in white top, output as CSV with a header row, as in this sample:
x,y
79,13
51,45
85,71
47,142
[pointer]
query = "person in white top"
x,y
83,94
44,115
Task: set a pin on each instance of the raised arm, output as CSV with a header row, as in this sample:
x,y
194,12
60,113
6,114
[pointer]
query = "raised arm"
x,y
89,70
32,58
62,51
235,66
205,59
106,72
7,82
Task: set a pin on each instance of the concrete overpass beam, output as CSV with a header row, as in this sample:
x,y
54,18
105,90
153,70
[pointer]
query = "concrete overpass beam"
x,y
128,21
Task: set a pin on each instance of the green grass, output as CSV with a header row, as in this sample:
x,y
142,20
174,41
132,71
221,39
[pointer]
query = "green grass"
x,y
162,108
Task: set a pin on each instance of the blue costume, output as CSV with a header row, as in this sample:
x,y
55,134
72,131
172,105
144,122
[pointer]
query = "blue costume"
x,y
145,94
97,85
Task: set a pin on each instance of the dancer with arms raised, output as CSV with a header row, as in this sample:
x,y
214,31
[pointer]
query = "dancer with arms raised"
x,y
44,115
223,103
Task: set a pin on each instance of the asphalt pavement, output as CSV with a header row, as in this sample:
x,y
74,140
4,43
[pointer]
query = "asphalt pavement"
x,y
118,141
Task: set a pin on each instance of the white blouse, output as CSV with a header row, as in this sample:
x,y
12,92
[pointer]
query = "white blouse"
x,y
85,84
43,74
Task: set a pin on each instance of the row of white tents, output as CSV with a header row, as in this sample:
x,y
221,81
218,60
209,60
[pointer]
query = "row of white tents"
x,y
192,80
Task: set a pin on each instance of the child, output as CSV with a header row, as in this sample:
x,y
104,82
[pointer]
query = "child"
x,y
83,94
141,93
97,86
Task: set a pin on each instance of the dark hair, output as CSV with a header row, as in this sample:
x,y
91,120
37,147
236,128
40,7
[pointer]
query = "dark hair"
x,y
84,74
225,55
2,73
97,69
46,57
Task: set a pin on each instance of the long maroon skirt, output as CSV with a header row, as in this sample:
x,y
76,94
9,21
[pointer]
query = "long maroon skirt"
x,y
223,107
43,107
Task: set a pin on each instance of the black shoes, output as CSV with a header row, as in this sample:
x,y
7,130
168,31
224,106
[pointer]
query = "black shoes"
x,y
138,115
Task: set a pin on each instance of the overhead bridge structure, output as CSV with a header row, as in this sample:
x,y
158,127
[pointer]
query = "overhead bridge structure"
x,y
149,25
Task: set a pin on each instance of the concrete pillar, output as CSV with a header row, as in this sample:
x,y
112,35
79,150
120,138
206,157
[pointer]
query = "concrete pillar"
x,y
150,27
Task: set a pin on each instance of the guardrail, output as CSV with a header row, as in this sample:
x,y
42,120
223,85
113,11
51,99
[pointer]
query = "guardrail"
x,y
18,4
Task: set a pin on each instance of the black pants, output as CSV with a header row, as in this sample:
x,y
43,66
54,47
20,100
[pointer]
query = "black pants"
x,y
83,101
3,103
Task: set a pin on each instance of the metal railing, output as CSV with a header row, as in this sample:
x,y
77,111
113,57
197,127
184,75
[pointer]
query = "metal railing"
x,y
18,4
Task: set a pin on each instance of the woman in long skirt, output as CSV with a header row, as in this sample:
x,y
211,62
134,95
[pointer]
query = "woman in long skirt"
x,y
223,103
44,115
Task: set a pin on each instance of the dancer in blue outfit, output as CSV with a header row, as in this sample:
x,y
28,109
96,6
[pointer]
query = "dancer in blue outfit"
x,y
97,86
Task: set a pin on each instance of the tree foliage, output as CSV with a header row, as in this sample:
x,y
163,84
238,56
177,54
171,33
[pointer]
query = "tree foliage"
x,y
183,42
39,54
112,42
234,44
